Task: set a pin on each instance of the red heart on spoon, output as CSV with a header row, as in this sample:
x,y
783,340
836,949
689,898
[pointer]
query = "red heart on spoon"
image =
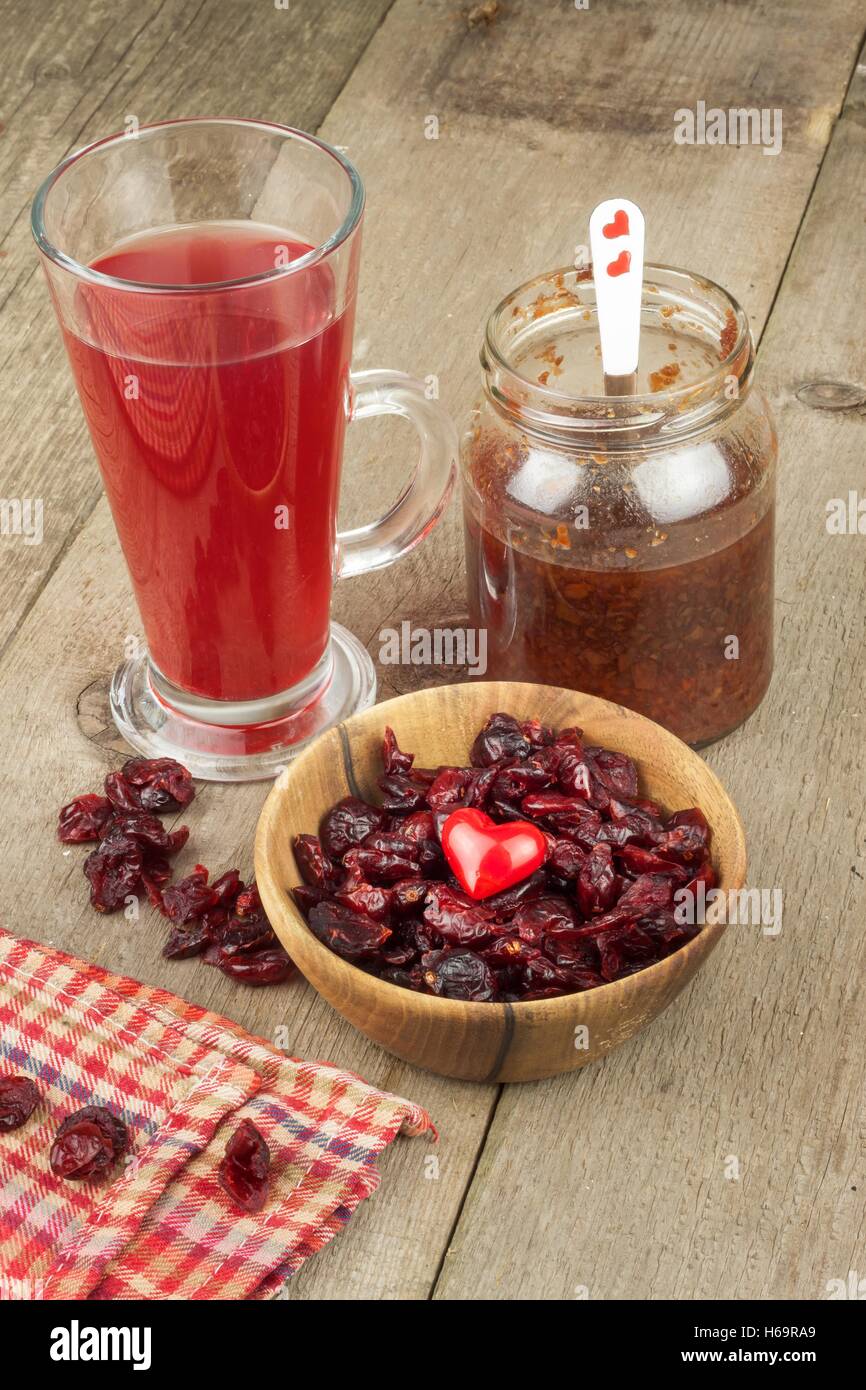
x,y
621,264
619,225
488,858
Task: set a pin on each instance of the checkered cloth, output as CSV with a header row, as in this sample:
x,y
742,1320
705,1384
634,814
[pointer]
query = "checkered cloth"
x,y
182,1080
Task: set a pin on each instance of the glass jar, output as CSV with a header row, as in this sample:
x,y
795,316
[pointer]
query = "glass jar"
x,y
623,546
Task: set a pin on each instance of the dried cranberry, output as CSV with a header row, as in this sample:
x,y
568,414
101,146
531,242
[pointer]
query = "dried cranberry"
x,y
352,935
400,793
114,873
392,758
161,783
408,895
571,952
686,842
376,901
642,861
18,1099
418,827
501,740
449,788
247,935
643,896
185,942
306,897
88,1143
459,975
541,974
504,905
248,902
400,949
226,888
148,831
379,866
538,734
456,918
668,934
574,775
348,823
706,875
244,1172
268,967
121,795
534,919
513,783
404,979
315,866
509,951
569,817
188,898
83,819
598,882
566,859
625,950
615,771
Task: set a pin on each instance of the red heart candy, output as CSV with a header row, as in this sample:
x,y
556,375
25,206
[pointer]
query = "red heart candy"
x,y
488,858
621,264
619,225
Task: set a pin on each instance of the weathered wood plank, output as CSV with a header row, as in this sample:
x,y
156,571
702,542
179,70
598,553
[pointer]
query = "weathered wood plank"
x,y
452,224
621,1181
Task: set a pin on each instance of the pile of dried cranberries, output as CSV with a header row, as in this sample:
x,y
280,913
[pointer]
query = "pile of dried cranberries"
x,y
223,921
379,892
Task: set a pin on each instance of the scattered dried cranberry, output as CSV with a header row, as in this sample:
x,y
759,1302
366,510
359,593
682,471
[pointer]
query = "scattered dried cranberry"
x,y
244,1172
222,921
84,819
18,1099
88,1143
378,892
150,784
114,873
189,898
268,966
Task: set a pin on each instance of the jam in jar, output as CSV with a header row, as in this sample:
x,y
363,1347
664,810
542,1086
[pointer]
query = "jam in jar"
x,y
623,546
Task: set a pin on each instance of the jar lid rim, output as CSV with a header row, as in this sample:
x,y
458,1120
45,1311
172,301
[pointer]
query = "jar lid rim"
x,y
607,413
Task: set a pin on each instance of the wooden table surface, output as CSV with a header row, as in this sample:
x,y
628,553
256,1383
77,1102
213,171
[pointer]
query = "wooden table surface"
x,y
720,1153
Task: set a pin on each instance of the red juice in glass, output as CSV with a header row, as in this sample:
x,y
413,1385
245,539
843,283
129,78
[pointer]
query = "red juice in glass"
x,y
218,422
210,346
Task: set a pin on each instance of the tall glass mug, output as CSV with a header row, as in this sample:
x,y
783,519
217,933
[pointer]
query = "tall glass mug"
x,y
204,273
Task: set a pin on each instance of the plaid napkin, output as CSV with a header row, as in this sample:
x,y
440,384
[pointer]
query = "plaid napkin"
x,y
182,1080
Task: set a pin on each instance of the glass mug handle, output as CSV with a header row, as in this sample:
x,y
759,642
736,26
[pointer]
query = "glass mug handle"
x,y
425,496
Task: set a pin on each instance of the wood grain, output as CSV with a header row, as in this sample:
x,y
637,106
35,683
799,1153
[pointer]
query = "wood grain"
x,y
762,1059
722,1155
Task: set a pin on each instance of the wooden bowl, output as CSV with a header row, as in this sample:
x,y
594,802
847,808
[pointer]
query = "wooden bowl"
x,y
485,1042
